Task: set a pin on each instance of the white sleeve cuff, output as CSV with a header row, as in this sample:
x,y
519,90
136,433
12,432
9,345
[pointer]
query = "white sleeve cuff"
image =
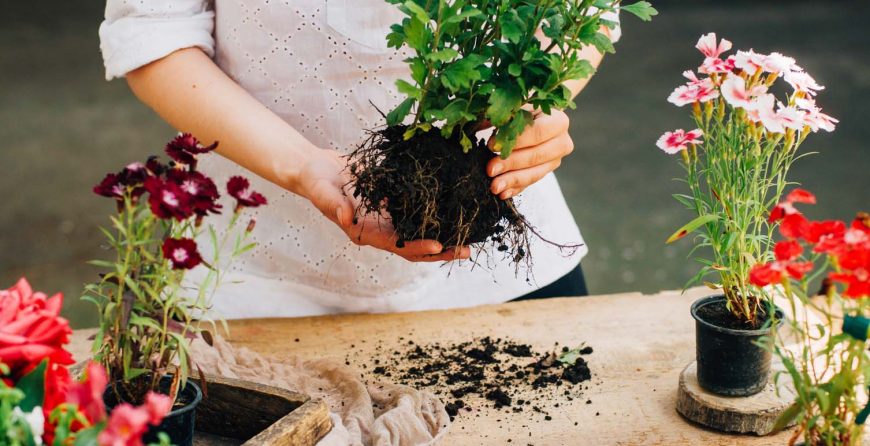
x,y
616,32
134,41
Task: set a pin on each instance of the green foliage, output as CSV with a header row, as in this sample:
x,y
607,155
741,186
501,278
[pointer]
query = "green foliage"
x,y
33,387
483,60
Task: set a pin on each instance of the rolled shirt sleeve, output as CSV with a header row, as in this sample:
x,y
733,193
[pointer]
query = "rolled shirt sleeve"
x,y
138,32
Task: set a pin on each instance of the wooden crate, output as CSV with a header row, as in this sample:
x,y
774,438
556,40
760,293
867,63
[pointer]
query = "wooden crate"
x,y
236,412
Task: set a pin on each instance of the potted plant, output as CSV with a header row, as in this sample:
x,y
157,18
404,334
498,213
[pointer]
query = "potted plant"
x,y
736,163
147,315
828,368
39,401
474,63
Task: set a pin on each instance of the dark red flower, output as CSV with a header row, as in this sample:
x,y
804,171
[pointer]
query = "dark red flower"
x,y
239,188
201,189
184,148
167,199
110,187
133,174
154,166
181,252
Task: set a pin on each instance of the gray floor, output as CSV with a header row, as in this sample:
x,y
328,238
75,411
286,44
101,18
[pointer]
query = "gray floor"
x,y
62,126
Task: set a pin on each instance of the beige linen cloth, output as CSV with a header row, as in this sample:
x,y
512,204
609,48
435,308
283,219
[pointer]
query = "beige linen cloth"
x,y
378,414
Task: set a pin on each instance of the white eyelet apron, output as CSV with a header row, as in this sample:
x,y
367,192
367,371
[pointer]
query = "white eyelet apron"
x,y
320,65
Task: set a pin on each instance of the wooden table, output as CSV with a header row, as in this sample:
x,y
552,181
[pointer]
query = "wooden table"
x,y
641,344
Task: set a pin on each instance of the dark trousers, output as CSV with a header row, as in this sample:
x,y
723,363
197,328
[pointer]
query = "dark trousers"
x,y
571,284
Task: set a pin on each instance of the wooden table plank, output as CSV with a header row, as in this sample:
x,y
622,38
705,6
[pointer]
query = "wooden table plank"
x,y
641,344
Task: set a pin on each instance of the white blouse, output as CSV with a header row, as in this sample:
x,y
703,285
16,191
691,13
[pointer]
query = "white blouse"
x,y
317,64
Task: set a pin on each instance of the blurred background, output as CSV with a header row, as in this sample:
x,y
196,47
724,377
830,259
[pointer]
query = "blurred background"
x,y
62,126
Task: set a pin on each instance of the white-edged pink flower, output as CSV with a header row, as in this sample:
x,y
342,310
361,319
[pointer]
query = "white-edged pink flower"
x,y
802,82
710,47
716,65
674,142
749,61
813,116
778,63
790,117
735,92
762,110
697,90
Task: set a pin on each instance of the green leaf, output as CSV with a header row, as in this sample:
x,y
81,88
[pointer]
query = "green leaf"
x,y
580,70
462,73
512,26
643,10
417,12
398,114
33,386
515,69
444,55
692,226
503,103
785,419
408,89
506,136
468,13
571,356
603,43
416,34
88,437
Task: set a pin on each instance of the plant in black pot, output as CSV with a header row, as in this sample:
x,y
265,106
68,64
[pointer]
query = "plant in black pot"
x,y
736,162
147,317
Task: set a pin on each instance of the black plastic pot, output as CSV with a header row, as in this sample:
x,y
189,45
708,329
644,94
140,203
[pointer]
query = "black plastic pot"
x,y
179,424
730,361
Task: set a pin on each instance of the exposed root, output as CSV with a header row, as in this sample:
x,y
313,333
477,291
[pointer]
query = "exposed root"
x,y
430,189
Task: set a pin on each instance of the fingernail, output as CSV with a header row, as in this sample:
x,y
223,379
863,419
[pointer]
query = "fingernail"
x,y
497,169
436,248
499,186
507,195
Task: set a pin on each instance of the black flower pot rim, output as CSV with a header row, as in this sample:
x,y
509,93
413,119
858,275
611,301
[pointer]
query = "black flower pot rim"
x,y
704,301
197,398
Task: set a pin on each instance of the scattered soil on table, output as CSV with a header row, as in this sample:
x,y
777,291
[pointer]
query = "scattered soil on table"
x,y
503,373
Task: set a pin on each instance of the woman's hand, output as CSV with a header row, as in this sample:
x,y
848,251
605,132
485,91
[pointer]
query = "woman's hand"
x,y
323,181
539,151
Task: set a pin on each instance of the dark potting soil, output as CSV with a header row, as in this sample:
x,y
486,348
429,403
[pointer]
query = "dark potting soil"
x,y
431,189
717,313
501,372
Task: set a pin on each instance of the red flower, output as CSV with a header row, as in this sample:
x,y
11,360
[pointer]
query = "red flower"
x,y
764,274
158,406
201,189
110,187
184,148
167,199
794,226
87,395
31,329
787,251
125,427
181,252
800,196
239,188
